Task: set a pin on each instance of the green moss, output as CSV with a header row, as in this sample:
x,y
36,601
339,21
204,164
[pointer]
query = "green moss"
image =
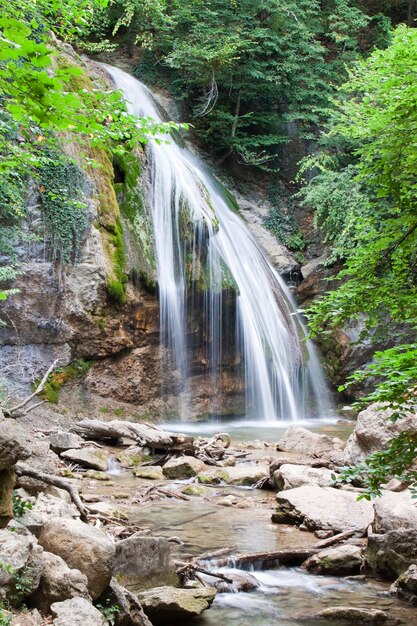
x,y
60,376
118,412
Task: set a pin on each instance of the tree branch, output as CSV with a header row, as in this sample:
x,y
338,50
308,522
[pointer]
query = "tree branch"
x,y
15,409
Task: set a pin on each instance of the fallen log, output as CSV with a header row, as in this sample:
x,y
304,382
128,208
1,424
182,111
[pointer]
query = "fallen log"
x,y
335,539
294,556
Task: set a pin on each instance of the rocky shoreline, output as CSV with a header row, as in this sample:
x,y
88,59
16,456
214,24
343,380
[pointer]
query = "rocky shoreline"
x,y
71,551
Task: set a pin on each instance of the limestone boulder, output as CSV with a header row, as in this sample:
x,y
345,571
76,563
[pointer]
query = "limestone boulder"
x,y
149,473
47,507
82,547
394,510
13,443
24,556
239,476
76,612
58,582
301,440
323,508
7,483
353,615
62,441
390,554
372,431
183,467
292,476
94,458
143,562
405,587
345,560
164,605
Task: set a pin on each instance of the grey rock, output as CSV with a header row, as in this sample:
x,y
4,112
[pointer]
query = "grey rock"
x,y
144,562
47,507
77,612
62,441
7,483
373,430
343,560
365,617
164,605
58,582
240,475
394,510
323,508
183,467
95,458
303,441
24,556
390,554
405,587
13,443
291,476
82,547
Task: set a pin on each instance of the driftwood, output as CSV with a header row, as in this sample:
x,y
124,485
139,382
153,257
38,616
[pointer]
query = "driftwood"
x,y
143,434
335,539
17,410
190,571
294,556
61,483
156,492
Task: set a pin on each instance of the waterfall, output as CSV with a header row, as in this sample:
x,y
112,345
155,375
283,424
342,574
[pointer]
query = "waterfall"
x,y
207,258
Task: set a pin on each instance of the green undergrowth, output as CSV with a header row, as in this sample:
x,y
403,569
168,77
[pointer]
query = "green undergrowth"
x,y
281,223
56,380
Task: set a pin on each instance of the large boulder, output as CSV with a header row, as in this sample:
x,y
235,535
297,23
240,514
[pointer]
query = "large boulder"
x,y
82,547
21,556
143,562
405,587
343,560
13,443
77,612
354,615
394,510
165,605
47,507
94,458
7,482
373,430
298,439
58,582
390,554
292,476
183,467
323,508
62,441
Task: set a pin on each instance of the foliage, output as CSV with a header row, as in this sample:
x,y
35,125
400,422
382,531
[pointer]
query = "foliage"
x,y
281,222
5,618
378,117
60,376
21,584
246,69
20,505
109,611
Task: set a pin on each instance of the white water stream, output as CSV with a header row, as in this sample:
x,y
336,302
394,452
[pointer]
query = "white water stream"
x,y
197,235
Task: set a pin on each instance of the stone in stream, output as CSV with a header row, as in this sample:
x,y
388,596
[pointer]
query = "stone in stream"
x,y
183,467
62,441
301,440
239,476
353,615
24,556
94,458
77,612
164,605
373,429
82,547
323,508
343,560
405,587
392,553
149,472
291,476
144,562
58,582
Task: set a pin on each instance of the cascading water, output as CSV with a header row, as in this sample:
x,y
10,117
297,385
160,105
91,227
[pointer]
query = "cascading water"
x,y
199,238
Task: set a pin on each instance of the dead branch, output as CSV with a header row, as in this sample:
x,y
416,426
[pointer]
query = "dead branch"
x,y
335,539
61,483
15,409
294,556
